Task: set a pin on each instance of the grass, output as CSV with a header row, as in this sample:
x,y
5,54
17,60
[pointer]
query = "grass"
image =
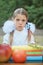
x,y
39,39
1,39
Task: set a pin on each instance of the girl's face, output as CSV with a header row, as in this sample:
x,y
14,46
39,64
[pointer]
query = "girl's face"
x,y
20,21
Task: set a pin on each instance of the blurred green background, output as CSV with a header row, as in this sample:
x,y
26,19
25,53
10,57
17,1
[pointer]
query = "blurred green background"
x,y
34,8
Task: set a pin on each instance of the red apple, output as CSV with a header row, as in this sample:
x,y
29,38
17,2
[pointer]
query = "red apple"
x,y
5,52
19,56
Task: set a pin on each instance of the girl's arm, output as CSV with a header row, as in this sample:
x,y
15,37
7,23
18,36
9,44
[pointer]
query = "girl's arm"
x,y
31,37
6,39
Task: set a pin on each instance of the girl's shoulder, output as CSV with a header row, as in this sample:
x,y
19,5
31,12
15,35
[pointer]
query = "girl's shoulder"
x,y
8,26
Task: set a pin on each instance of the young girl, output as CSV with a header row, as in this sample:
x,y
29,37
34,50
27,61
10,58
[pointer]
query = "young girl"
x,y
18,34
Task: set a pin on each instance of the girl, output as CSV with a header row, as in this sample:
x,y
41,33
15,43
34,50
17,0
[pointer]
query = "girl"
x,y
18,34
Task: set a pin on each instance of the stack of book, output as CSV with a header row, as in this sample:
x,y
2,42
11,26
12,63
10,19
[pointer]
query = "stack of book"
x,y
34,55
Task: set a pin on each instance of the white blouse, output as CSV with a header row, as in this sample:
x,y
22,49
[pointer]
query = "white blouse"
x,y
19,38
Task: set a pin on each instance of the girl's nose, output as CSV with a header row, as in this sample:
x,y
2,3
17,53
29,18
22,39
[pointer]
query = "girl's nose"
x,y
20,22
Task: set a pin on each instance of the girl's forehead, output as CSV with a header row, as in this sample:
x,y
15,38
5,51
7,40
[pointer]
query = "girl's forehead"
x,y
21,16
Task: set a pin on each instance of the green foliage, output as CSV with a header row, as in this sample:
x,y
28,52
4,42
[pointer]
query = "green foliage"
x,y
34,8
35,15
6,9
38,3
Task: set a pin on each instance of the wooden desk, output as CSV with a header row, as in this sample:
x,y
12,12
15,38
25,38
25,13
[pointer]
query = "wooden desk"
x,y
21,63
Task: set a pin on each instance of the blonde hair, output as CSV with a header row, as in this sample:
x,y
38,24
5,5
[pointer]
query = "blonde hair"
x,y
20,11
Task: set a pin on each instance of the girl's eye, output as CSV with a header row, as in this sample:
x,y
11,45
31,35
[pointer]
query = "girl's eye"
x,y
23,20
17,19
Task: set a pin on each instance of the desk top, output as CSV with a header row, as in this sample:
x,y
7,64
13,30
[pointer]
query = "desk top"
x,y
21,63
